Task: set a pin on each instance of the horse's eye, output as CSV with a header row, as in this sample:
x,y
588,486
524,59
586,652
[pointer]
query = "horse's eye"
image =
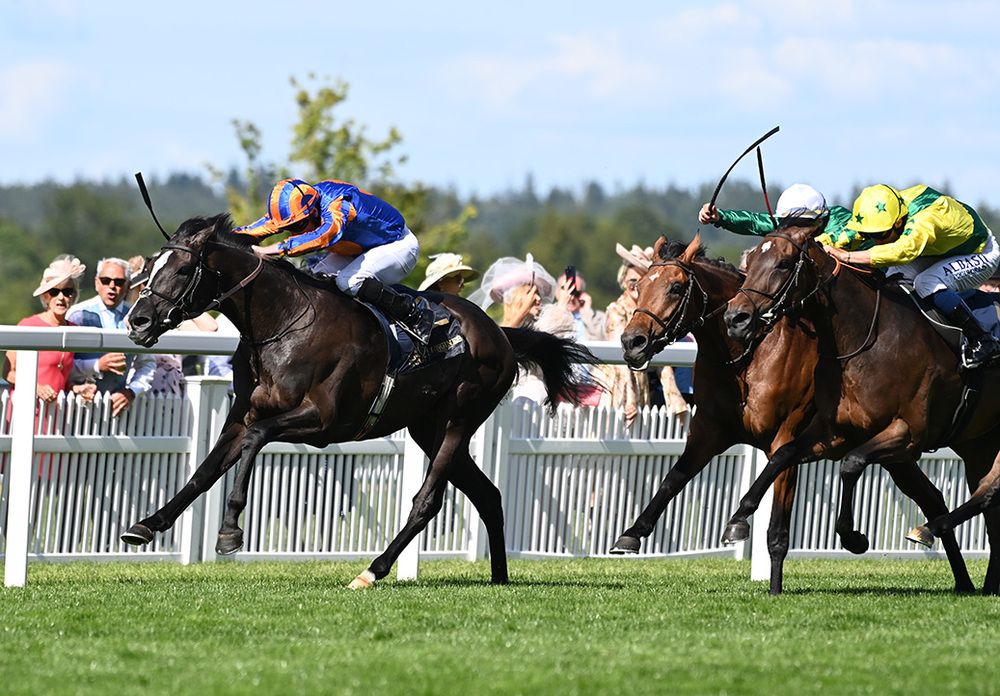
x,y
676,288
785,264
184,271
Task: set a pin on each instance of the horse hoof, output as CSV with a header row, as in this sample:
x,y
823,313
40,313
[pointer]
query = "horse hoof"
x,y
229,543
137,535
736,532
625,545
921,535
855,542
363,581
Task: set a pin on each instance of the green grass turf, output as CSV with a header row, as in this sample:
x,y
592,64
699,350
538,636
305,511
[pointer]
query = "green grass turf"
x,y
600,626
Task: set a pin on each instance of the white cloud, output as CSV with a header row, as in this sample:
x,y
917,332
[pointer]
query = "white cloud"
x,y
31,95
601,65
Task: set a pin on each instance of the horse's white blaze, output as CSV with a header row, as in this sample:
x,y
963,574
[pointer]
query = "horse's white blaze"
x,y
654,276
161,261
765,246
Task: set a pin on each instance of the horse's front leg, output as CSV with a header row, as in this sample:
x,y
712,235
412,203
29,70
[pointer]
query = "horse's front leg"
x,y
290,425
218,461
704,443
888,446
798,451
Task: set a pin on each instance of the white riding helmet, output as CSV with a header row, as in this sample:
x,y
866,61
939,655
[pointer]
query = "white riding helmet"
x,y
801,201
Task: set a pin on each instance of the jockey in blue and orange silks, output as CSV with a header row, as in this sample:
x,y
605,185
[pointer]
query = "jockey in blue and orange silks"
x,y
368,243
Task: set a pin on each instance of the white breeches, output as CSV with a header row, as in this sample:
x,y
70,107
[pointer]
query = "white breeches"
x,y
390,263
967,272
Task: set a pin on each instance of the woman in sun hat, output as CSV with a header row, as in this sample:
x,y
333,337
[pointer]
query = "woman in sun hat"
x,y
630,390
446,273
57,292
521,285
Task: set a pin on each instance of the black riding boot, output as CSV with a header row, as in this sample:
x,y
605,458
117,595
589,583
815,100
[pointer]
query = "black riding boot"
x,y
980,346
413,312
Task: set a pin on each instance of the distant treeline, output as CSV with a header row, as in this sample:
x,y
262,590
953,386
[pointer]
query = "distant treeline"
x,y
560,226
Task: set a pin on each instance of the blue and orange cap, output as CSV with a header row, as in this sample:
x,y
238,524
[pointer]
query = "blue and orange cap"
x,y
291,200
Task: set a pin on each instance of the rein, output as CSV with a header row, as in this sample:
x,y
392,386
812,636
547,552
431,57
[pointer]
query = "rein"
x,y
781,302
675,327
181,306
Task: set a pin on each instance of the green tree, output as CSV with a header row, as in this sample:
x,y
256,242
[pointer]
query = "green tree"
x,y
324,146
21,267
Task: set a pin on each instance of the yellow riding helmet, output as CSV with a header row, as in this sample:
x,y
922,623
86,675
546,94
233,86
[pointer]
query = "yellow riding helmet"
x,y
877,210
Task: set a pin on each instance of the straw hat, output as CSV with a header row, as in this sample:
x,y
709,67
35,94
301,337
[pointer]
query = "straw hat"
x,y
63,268
636,256
444,265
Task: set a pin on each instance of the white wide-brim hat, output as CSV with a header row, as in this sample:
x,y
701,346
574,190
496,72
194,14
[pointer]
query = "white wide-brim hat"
x,y
63,268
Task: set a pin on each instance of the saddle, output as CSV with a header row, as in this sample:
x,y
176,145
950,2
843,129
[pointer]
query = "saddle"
x,y
407,355
986,308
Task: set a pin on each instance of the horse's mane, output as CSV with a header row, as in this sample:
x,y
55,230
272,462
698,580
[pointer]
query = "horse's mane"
x,y
673,249
223,235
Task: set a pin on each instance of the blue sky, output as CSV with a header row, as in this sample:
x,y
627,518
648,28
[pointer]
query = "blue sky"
x,y
659,92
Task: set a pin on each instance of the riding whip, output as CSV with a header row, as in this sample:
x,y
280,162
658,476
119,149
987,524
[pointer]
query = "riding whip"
x,y
149,204
756,143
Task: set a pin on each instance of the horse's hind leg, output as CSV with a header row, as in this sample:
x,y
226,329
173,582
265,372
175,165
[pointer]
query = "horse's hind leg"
x,y
477,487
913,483
426,504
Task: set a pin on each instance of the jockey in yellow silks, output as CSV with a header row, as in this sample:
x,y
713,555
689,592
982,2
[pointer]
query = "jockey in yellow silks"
x,y
936,241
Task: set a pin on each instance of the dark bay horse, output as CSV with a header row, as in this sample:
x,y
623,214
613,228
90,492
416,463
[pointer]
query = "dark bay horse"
x,y
310,364
765,399
887,385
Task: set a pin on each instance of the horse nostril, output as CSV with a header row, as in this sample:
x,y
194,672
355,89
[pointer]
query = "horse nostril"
x,y
138,322
738,319
636,342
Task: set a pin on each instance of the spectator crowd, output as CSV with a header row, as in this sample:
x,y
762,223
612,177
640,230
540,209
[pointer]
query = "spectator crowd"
x,y
527,295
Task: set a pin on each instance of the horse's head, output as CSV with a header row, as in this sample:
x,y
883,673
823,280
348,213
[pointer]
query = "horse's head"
x,y
782,272
180,284
664,302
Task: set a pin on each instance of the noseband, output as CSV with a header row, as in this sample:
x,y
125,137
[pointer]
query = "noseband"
x,y
781,301
675,328
182,306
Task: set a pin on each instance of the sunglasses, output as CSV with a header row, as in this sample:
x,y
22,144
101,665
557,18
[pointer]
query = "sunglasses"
x,y
119,282
66,292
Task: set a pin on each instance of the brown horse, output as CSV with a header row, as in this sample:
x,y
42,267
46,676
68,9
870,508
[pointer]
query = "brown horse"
x,y
887,385
764,398
309,366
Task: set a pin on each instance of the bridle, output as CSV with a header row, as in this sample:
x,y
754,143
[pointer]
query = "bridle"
x,y
675,328
781,301
782,304
181,307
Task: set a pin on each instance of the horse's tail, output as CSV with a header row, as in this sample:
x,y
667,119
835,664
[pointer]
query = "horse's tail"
x,y
557,359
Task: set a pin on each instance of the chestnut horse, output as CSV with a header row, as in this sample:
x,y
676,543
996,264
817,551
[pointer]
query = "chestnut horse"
x,y
309,366
764,397
887,384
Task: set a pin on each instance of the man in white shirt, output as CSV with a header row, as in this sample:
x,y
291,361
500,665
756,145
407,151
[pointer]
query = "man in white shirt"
x,y
124,376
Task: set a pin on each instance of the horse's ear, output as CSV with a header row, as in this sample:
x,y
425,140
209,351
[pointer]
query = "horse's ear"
x,y
658,248
692,249
801,235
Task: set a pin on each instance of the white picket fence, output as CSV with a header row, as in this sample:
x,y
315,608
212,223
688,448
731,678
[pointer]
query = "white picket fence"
x,y
570,483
